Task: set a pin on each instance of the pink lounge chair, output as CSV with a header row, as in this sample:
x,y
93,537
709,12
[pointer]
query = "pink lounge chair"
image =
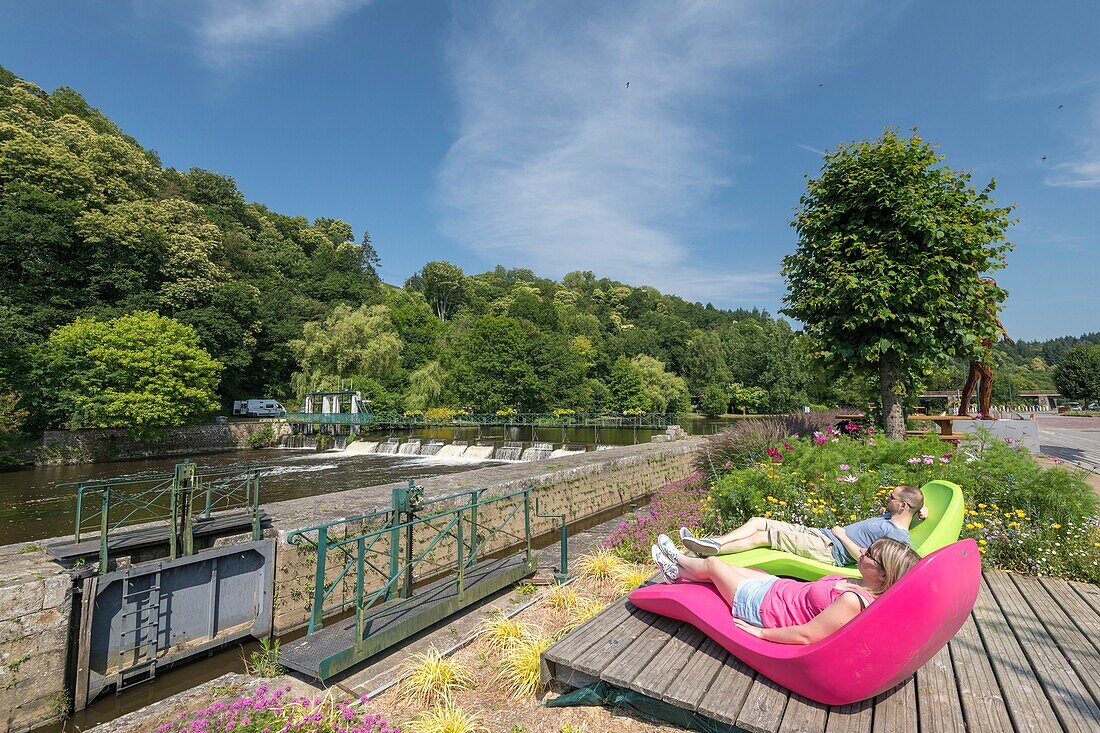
x,y
876,650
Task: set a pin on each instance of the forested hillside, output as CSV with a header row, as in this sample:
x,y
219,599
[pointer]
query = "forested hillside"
x,y
131,294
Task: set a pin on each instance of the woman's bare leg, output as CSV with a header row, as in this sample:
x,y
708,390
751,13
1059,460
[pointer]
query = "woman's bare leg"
x,y
723,576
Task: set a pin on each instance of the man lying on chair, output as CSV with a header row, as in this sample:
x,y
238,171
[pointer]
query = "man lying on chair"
x,y
837,546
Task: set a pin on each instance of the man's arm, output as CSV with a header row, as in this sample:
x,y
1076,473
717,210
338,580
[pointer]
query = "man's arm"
x,y
853,549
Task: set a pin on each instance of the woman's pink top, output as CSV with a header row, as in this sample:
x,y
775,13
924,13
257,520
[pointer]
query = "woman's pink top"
x,y
793,602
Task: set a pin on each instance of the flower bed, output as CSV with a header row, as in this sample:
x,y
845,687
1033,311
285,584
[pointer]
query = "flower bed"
x,y
1024,517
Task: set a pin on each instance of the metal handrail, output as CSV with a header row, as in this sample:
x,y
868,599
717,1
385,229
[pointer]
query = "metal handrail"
x,y
356,544
177,498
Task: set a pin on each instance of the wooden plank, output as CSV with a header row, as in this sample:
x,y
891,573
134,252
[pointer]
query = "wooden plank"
x,y
764,706
84,643
896,709
1071,700
983,706
623,671
614,642
1076,607
803,716
699,674
938,706
668,666
1090,594
584,636
728,691
853,718
1075,647
1027,704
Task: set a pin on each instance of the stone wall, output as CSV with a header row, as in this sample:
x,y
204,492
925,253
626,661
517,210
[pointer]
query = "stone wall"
x,y
35,609
95,445
579,486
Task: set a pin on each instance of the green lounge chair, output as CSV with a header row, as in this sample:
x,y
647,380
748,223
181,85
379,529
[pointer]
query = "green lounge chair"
x,y
946,510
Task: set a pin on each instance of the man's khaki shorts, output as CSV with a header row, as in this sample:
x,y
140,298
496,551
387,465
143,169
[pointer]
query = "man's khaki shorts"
x,y
799,540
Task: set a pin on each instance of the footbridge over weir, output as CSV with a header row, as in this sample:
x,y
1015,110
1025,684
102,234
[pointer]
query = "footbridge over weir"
x,y
43,604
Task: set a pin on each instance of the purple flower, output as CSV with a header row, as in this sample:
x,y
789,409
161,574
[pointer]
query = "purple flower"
x,y
914,459
845,467
945,459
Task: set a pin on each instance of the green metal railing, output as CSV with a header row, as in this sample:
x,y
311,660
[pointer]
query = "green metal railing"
x,y
177,499
645,420
383,543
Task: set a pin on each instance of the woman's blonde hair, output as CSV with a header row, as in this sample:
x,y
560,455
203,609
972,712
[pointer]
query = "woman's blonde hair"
x,y
895,558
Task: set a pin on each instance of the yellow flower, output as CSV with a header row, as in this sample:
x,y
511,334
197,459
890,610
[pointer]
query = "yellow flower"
x,y
969,525
982,542
1014,525
1055,526
981,506
972,513
767,514
1008,514
1021,513
979,525
782,502
981,549
853,517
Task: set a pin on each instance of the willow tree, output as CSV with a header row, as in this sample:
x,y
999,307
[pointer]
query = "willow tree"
x,y
886,276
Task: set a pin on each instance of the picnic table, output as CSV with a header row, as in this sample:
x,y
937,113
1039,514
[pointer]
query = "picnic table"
x,y
946,424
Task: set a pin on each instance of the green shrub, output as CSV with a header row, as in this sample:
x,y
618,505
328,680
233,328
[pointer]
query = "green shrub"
x,y
1025,517
263,437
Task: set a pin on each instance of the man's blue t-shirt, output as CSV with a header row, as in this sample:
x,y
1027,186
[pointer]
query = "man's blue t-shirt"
x,y
863,533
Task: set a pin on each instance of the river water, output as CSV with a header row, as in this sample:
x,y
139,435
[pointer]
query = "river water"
x,y
40,502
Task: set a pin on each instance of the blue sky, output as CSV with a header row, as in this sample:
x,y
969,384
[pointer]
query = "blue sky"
x,y
505,132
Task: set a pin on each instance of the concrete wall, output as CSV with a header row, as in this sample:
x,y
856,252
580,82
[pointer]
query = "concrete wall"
x,y
35,607
96,445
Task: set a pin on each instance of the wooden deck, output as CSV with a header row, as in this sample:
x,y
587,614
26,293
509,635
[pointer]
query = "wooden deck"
x,y
1027,660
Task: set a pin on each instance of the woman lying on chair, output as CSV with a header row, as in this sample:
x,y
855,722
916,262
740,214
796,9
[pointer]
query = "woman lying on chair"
x,y
791,611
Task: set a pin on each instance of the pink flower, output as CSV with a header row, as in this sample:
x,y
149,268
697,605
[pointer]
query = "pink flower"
x,y
852,427
929,459
845,467
870,431
775,455
914,459
787,446
847,478
945,459
727,464
820,439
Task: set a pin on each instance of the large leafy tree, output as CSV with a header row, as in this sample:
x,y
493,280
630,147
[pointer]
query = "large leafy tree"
x,y
360,343
141,371
886,273
1078,373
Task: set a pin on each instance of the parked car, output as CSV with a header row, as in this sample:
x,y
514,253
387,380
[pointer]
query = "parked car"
x,y
1074,406
1095,406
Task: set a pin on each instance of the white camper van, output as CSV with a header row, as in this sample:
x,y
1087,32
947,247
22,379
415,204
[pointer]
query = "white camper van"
x,y
258,408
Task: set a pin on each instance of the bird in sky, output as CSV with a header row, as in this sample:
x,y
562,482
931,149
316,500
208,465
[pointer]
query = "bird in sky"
x,y
628,85
1043,159
1060,106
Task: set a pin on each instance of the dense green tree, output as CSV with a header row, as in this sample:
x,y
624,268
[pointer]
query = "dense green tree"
x,y
663,391
426,387
142,371
443,286
886,274
360,343
489,366
626,391
715,401
1077,375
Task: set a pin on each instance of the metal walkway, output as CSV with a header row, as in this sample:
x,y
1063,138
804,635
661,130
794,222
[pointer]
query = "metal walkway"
x,y
330,650
1027,659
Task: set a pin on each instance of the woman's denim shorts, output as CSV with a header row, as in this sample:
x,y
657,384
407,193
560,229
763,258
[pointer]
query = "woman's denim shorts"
x,y
750,594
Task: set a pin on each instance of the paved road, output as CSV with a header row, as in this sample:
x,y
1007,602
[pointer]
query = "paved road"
x,y
1074,440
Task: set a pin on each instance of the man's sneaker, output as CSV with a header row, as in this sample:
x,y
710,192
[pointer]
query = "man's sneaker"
x,y
702,546
669,568
667,546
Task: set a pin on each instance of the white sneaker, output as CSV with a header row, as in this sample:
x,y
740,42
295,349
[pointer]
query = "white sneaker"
x,y
669,569
667,546
702,546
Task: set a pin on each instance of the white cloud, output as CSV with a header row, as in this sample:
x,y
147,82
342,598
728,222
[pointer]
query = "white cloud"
x,y
1083,171
230,33
560,165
